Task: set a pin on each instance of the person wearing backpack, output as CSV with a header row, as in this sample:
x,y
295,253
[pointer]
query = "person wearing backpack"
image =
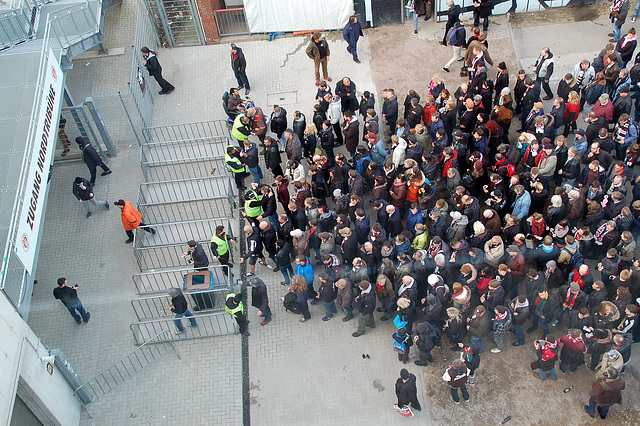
x,y
456,38
402,344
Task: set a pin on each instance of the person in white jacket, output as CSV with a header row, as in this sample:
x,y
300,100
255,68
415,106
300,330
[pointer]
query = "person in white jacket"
x,y
399,150
334,113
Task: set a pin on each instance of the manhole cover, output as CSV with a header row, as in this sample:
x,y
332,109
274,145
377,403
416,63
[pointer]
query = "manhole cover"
x,y
284,98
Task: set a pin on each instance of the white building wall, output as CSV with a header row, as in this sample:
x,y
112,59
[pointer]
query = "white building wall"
x,y
20,360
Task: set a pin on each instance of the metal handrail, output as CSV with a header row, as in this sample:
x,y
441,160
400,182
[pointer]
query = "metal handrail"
x,y
112,377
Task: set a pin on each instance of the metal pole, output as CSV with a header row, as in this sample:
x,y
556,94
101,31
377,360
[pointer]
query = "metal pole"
x,y
97,119
135,132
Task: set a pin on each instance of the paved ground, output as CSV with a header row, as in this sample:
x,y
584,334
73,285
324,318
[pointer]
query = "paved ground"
x,y
313,372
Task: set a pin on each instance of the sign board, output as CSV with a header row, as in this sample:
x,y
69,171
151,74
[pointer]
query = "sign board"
x,y
141,80
39,163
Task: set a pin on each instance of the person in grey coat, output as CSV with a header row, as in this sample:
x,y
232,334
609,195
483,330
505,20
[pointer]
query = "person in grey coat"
x,y
293,146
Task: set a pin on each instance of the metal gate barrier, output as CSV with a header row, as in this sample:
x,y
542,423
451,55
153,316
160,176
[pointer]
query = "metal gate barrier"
x,y
208,325
187,199
157,307
78,123
196,158
165,249
150,283
186,131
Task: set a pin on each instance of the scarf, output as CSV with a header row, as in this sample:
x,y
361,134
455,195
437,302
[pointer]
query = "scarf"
x,y
627,40
622,129
404,287
615,6
547,351
593,175
580,77
571,298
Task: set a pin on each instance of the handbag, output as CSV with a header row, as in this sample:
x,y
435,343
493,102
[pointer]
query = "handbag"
x,y
399,322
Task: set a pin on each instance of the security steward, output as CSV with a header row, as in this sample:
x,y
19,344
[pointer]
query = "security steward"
x,y
253,206
220,247
241,129
235,307
233,161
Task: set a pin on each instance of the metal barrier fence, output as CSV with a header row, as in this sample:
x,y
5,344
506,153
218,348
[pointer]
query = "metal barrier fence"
x,y
17,24
186,199
157,307
231,21
208,325
140,80
148,283
165,249
186,131
127,367
164,161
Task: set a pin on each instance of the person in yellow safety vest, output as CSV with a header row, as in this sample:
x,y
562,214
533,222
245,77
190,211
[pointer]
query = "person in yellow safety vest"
x,y
241,128
220,247
253,206
233,161
235,307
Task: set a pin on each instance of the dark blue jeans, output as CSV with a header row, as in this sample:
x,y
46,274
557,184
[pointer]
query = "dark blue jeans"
x,y
243,81
78,306
353,49
456,397
519,333
545,326
287,273
602,409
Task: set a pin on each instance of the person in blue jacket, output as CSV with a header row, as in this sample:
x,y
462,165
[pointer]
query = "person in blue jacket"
x,y
351,33
304,268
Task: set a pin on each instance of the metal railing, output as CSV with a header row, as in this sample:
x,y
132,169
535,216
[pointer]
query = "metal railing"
x,y
165,249
17,24
127,367
208,325
186,199
196,158
73,25
186,131
148,283
157,307
231,21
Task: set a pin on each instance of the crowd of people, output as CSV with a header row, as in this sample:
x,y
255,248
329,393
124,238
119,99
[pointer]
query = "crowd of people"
x,y
442,218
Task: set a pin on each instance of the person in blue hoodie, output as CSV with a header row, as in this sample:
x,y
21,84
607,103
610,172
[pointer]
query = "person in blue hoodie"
x,y
304,268
415,217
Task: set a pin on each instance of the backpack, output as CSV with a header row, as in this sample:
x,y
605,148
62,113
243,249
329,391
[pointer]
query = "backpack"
x,y
577,258
452,35
399,347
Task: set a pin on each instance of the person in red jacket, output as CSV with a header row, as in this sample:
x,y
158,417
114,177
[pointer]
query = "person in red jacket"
x,y
131,219
572,109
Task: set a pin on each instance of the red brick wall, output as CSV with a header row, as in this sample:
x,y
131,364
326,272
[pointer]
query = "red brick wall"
x,y
206,8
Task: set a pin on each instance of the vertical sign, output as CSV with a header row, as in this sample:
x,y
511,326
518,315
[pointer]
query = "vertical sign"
x,y
39,163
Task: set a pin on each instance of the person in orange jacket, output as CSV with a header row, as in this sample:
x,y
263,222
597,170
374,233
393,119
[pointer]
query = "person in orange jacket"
x,y
131,219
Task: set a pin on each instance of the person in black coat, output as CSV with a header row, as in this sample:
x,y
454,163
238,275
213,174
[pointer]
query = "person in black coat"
x,y
406,391
260,299
346,89
349,246
272,159
366,303
91,159
278,121
83,190
154,68
199,258
268,235
239,66
283,260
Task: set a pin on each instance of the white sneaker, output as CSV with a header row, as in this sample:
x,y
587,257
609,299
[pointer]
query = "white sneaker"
x,y
633,19
269,266
495,351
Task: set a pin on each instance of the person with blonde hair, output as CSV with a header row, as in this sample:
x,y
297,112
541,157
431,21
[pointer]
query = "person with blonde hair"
x,y
298,302
455,328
